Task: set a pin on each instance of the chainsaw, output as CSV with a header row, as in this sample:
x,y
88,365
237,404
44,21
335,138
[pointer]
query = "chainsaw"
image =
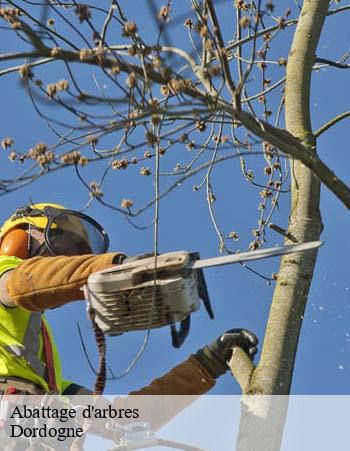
x,y
150,292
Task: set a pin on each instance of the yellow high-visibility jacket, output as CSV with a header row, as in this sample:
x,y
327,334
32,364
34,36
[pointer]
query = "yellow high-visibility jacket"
x,y
21,341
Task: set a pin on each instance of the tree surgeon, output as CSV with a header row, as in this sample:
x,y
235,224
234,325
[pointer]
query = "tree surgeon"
x,y
47,253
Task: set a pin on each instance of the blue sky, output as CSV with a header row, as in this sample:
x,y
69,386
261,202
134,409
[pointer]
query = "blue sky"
x,y
239,298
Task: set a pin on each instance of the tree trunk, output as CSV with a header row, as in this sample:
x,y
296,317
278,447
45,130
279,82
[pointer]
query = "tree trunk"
x,y
273,375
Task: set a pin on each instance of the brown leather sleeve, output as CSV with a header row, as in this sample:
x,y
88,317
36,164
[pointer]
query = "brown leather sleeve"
x,y
187,378
186,382
46,282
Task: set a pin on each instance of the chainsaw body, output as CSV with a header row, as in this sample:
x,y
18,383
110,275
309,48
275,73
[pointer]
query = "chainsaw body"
x,y
141,295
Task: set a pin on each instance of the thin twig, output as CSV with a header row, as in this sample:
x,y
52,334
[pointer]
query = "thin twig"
x,y
330,123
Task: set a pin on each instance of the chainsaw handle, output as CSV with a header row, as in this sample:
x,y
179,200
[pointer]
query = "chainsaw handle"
x,y
179,336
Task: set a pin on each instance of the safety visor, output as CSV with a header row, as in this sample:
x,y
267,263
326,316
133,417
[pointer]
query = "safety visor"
x,y
69,232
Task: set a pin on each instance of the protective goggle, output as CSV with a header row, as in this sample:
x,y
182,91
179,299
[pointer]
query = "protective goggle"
x,y
67,232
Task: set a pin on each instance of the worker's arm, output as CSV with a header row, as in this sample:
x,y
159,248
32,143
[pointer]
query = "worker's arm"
x,y
194,377
197,374
46,282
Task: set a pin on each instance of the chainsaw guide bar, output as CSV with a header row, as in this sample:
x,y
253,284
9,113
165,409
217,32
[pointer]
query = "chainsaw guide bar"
x,y
256,255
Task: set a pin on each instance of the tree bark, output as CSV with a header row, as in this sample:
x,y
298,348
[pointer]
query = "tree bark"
x,y
262,422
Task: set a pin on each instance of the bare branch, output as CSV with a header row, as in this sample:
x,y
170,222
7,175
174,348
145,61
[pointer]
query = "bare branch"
x,y
330,123
332,63
242,368
294,148
222,51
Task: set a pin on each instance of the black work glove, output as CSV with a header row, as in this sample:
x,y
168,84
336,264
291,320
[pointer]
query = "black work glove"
x,y
215,356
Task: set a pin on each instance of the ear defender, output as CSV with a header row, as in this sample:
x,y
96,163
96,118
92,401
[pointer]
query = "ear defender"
x,y
15,244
